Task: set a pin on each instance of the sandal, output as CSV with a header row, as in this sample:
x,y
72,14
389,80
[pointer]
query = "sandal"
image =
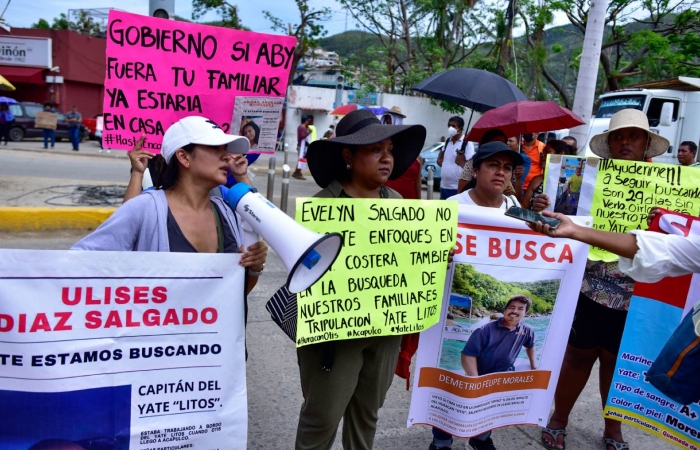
x,y
553,433
618,445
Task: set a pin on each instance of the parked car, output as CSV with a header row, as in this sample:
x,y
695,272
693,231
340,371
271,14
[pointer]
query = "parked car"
x,y
430,155
23,126
91,124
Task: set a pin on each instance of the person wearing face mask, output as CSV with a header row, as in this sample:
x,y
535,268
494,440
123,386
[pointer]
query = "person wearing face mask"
x,y
452,157
533,149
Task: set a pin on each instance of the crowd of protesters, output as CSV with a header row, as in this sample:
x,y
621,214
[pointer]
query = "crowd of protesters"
x,y
365,157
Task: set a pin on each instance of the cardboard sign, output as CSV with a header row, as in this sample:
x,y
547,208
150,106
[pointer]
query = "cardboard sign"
x,y
159,71
132,349
497,259
626,191
619,194
46,120
652,387
390,274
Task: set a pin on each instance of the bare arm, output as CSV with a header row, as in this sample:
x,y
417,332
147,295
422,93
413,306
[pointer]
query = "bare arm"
x,y
461,185
238,166
530,192
139,163
531,356
517,184
254,260
419,179
441,157
469,365
621,244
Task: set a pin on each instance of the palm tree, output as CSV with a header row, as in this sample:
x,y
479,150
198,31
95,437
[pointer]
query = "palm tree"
x,y
588,70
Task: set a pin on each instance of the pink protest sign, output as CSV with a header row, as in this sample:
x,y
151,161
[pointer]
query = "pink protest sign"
x,y
159,71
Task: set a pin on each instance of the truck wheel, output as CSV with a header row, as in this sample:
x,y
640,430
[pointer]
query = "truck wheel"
x,y
16,134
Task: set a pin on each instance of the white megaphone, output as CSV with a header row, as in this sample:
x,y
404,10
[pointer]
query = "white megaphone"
x,y
306,255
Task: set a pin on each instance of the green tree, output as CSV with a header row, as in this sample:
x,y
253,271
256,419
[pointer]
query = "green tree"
x,y
662,45
308,31
42,24
227,12
417,38
82,23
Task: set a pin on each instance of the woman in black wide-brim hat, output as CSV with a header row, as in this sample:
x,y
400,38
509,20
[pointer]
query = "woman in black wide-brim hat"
x,y
349,379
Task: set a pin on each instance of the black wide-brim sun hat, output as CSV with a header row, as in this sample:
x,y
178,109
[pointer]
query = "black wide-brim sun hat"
x,y
361,127
497,148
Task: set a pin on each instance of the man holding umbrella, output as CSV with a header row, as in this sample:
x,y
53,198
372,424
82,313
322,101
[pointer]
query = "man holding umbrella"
x,y
453,156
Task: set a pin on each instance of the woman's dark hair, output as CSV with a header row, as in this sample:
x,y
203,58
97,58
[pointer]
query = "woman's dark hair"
x,y
166,174
344,172
49,104
491,136
560,147
470,185
255,128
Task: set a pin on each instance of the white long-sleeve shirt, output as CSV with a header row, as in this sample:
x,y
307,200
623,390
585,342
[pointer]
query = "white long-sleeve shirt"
x,y
662,255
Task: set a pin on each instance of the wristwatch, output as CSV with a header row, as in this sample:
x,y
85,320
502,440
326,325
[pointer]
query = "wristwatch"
x,y
254,273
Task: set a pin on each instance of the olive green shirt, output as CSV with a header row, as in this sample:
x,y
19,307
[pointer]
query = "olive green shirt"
x,y
335,190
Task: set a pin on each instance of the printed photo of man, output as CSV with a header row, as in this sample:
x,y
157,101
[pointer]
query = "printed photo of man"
x,y
495,346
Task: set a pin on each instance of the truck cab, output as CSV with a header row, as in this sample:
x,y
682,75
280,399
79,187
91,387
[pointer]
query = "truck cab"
x,y
672,107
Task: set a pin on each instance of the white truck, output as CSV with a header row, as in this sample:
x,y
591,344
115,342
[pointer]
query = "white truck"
x,y
672,107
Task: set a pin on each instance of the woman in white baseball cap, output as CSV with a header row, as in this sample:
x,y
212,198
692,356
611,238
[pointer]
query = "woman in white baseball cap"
x,y
180,215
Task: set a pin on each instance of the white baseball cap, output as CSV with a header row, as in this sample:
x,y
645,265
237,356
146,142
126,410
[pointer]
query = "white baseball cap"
x,y
202,131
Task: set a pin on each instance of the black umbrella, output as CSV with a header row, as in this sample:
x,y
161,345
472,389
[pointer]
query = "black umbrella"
x,y
474,88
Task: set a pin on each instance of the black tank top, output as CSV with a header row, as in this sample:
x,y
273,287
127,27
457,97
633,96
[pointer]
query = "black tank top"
x,y
179,243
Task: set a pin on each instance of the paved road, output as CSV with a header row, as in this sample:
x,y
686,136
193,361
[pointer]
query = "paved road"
x,y
274,395
30,175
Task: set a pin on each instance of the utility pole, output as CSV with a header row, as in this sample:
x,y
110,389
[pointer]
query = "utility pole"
x,y
588,70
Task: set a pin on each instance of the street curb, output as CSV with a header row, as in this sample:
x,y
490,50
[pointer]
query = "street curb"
x,y
18,218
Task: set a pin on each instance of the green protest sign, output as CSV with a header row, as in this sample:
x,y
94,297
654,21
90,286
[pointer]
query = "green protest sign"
x,y
625,191
389,277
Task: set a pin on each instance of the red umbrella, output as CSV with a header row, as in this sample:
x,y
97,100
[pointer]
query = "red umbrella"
x,y
524,117
346,109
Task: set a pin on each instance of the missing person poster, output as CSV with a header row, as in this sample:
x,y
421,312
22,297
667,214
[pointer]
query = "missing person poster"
x,y
493,359
159,71
389,276
655,386
121,350
258,119
570,184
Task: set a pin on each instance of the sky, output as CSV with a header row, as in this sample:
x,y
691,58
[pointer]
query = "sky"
x,y
24,13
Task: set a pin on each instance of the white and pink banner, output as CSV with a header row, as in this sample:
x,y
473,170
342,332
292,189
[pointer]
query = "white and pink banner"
x,y
121,350
485,365
159,71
